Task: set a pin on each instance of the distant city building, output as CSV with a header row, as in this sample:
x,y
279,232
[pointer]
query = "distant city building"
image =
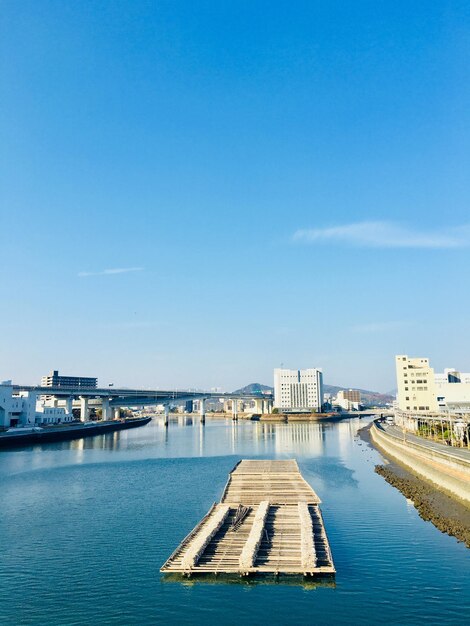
x,y
421,390
68,382
348,399
298,390
415,385
453,390
353,395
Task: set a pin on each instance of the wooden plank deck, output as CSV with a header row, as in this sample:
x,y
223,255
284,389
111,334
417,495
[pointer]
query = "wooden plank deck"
x,y
279,482
282,533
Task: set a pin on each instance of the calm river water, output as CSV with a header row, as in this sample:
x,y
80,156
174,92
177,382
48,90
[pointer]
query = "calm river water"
x,y
86,525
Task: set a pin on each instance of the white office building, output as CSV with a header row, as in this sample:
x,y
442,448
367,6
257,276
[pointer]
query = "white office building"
x,y
298,390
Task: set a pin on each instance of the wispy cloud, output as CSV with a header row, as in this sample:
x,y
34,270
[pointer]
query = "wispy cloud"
x,y
379,327
115,270
386,235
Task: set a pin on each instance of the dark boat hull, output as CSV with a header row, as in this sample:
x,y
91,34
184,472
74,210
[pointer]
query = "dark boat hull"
x,y
68,433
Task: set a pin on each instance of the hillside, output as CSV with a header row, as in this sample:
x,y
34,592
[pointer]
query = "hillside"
x,y
369,398
254,388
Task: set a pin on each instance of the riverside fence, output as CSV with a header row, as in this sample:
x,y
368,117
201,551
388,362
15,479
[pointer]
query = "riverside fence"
x,y
450,429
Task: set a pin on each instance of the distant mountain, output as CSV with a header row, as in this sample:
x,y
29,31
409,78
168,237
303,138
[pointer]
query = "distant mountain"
x,y
254,388
369,398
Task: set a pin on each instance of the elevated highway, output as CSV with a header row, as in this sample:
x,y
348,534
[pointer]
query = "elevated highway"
x,y
112,398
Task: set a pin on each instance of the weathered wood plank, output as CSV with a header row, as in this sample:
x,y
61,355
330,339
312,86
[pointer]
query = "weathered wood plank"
x,y
250,549
307,545
202,539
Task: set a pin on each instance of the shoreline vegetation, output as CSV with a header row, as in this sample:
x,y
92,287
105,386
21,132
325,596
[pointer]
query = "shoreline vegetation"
x,y
447,514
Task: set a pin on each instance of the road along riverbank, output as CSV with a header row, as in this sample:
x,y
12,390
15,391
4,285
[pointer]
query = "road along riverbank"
x,y
448,469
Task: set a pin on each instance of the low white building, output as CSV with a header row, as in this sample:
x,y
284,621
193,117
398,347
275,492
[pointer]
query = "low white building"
x,y
348,400
52,415
298,390
452,390
23,409
16,409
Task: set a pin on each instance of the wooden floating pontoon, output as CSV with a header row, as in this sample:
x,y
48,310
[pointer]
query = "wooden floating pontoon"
x,y
268,522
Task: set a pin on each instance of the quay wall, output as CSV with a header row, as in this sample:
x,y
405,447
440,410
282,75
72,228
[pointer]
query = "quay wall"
x,y
446,471
312,417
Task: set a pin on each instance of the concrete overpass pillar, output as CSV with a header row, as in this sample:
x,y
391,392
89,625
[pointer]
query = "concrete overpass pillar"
x,y
117,413
69,405
84,413
55,401
105,409
258,405
167,413
202,409
234,409
267,406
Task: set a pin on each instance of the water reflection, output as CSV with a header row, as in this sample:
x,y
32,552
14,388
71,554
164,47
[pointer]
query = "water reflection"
x,y
97,517
252,581
303,438
331,472
187,436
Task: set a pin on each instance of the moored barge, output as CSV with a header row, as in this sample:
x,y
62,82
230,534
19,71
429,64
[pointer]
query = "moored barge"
x,y
48,434
268,522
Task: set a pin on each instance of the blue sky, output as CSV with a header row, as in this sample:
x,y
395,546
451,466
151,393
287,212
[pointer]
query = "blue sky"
x,y
193,193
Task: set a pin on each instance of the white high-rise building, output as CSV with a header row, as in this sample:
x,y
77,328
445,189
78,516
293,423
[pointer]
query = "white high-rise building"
x,y
298,390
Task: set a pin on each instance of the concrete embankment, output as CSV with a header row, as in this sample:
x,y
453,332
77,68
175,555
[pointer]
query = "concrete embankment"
x,y
311,417
447,468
